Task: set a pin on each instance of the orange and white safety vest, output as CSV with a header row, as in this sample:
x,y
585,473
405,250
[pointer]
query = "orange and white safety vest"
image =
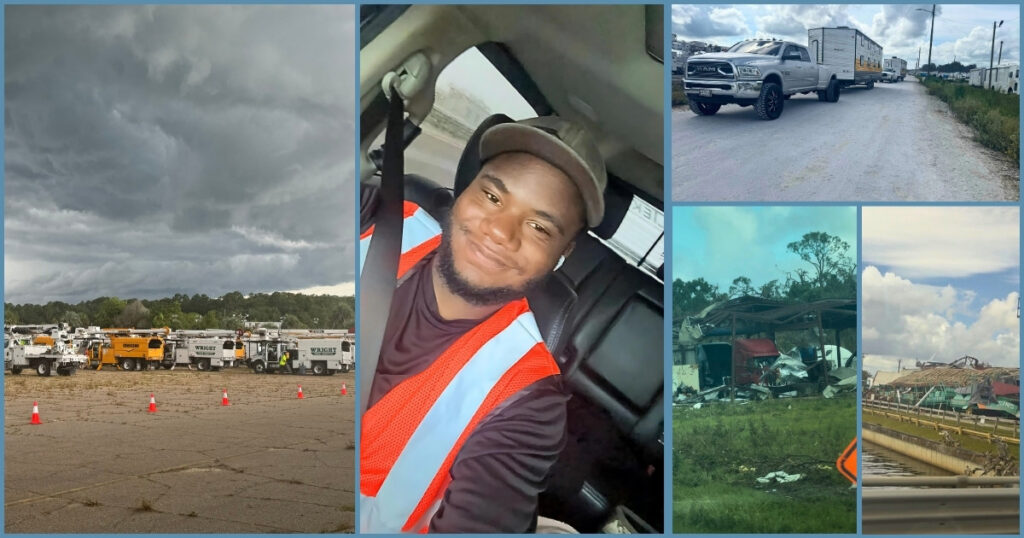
x,y
411,436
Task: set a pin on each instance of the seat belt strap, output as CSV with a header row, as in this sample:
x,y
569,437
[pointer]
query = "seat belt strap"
x,y
379,275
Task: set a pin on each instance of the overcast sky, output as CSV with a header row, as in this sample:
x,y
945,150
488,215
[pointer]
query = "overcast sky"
x,y
722,243
940,283
961,31
193,149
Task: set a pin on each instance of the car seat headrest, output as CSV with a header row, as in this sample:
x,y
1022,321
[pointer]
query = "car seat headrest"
x,y
469,163
616,204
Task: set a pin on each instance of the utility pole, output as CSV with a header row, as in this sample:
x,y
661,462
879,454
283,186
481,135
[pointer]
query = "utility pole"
x,y
1000,60
918,67
931,34
992,53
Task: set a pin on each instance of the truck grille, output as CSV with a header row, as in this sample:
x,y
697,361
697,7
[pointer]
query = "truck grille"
x,y
712,70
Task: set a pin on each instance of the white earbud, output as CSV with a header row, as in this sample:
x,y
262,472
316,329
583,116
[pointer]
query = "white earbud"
x,y
561,260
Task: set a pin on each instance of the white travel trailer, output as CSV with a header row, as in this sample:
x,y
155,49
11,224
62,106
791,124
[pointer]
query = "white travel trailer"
x,y
854,57
1002,78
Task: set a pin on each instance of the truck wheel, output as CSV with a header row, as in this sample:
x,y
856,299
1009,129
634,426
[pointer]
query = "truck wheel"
x,y
43,368
15,370
871,84
259,367
704,109
203,365
769,103
832,92
344,368
319,368
128,364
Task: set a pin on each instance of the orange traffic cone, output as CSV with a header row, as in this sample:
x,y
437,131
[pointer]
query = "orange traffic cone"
x,y
300,392
152,403
224,398
344,389
35,414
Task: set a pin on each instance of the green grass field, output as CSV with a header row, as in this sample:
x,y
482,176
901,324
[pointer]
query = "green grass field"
x,y
720,450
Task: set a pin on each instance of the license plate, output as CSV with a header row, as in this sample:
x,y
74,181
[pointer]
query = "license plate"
x,y
704,93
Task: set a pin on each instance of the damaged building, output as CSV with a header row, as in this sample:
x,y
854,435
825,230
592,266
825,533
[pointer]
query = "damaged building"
x,y
733,345
966,385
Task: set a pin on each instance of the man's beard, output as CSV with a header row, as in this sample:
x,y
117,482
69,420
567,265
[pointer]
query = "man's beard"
x,y
466,290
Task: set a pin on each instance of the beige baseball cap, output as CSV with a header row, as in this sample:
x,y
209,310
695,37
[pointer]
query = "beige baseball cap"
x,y
563,144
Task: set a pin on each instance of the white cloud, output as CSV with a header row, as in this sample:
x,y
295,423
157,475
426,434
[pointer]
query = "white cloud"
x,y
904,319
941,241
345,289
703,21
793,21
977,48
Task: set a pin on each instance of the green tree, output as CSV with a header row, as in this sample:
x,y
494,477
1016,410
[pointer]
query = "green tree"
x,y
109,310
741,286
291,321
689,297
134,315
826,254
210,321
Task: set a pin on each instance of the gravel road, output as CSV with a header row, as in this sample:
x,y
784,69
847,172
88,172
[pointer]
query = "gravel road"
x,y
891,143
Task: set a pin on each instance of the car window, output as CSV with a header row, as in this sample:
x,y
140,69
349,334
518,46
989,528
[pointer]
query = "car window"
x,y
468,90
640,238
756,47
803,54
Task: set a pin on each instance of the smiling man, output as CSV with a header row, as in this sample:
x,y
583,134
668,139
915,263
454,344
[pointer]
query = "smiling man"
x,y
467,412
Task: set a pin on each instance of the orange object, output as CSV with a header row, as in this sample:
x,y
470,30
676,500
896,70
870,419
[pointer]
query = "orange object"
x,y
847,462
35,414
388,426
300,392
152,403
224,398
344,389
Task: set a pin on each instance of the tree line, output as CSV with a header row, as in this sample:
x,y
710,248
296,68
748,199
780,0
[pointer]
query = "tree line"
x,y
831,275
198,311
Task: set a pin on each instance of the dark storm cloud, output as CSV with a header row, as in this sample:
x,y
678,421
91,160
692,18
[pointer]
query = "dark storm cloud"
x,y
159,149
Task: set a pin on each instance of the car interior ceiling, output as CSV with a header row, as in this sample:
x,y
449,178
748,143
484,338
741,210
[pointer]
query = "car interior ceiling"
x,y
536,58
601,316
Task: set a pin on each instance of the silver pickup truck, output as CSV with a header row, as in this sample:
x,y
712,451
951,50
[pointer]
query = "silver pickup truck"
x,y
760,73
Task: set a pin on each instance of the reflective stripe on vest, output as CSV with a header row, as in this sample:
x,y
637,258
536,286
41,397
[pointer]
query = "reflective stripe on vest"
x,y
420,234
410,438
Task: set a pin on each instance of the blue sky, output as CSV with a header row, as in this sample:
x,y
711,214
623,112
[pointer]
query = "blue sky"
x,y
939,283
963,32
720,243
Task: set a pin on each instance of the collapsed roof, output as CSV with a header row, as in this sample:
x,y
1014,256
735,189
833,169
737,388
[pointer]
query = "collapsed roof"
x,y
751,315
955,377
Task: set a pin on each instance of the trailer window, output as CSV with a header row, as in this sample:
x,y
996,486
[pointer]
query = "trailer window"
x,y
155,343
